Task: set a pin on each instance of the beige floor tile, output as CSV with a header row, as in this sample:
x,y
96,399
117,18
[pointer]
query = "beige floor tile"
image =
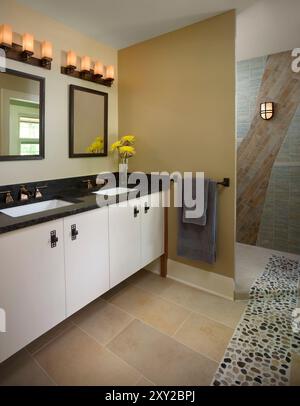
x,y
222,310
205,336
161,314
22,370
101,320
295,371
76,359
40,342
151,282
114,291
144,382
160,358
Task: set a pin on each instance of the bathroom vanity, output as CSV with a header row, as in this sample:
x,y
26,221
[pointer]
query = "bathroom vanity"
x,y
55,262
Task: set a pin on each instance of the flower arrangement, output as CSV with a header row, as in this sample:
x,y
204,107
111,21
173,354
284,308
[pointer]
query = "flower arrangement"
x,y
125,147
96,146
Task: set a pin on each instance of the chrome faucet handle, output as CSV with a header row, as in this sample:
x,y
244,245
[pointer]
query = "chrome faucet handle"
x,y
24,193
8,197
89,183
37,193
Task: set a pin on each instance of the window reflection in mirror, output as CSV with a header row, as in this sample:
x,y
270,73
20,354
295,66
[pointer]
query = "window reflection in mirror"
x,y
21,116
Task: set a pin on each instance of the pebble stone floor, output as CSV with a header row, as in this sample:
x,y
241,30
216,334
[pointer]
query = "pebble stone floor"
x,y
263,345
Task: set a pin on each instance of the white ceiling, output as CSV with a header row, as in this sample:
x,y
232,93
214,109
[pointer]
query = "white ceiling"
x,y
120,23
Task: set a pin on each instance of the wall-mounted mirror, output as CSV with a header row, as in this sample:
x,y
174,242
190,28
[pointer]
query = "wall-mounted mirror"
x,y
88,122
22,115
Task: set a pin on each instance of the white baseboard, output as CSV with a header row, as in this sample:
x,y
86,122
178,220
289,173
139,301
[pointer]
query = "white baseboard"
x,y
197,278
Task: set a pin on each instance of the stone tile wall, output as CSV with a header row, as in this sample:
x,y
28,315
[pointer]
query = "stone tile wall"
x,y
280,224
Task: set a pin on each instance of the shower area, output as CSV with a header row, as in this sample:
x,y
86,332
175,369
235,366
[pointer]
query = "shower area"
x,y
268,165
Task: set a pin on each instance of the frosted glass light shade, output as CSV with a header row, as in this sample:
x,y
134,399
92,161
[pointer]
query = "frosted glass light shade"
x,y
99,68
47,51
85,63
110,72
6,35
28,42
267,110
71,59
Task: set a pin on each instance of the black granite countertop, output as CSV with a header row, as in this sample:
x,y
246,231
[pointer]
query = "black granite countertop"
x,y
82,201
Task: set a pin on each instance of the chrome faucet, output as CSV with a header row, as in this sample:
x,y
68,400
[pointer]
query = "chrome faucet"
x,y
8,197
89,183
24,193
37,193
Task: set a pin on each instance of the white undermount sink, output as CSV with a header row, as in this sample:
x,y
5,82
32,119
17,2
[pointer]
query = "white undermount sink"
x,y
27,209
114,191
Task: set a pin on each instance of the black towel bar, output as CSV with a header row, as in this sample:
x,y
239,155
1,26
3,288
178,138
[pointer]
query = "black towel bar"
x,y
225,182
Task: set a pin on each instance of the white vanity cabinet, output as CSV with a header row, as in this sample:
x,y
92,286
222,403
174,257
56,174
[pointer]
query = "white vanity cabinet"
x,y
136,236
152,228
32,284
124,240
51,270
86,258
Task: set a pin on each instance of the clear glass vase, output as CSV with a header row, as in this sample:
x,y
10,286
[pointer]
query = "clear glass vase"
x,y
123,173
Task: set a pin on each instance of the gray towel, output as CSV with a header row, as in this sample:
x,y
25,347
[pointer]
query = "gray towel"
x,y
199,242
200,221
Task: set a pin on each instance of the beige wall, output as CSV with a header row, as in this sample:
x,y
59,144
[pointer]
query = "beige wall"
x,y
177,95
57,164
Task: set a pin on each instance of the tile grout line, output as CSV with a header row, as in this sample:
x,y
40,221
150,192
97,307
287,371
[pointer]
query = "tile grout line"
x,y
50,341
177,304
182,324
111,352
191,312
144,377
159,331
41,368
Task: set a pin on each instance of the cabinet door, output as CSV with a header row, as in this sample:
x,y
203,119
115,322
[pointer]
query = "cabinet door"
x,y
152,228
86,258
124,240
32,284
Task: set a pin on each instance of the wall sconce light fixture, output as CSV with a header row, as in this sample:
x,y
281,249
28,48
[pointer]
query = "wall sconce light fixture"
x,y
71,62
47,54
85,67
24,52
28,46
98,70
267,110
86,72
5,36
110,73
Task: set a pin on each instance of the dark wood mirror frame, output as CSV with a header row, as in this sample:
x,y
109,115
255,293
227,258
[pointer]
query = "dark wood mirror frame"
x,y
72,154
41,119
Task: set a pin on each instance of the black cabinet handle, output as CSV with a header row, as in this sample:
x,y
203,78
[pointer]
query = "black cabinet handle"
x,y
147,208
136,212
74,232
53,239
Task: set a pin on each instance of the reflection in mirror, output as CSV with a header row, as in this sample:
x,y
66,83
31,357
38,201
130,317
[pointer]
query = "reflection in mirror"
x,y
88,122
21,116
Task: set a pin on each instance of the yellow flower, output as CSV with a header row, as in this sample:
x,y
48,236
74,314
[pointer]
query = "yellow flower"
x,y
126,151
124,146
96,146
130,139
116,145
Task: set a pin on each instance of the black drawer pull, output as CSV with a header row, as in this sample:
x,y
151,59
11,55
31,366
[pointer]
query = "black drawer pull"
x,y
136,212
53,239
147,208
74,232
